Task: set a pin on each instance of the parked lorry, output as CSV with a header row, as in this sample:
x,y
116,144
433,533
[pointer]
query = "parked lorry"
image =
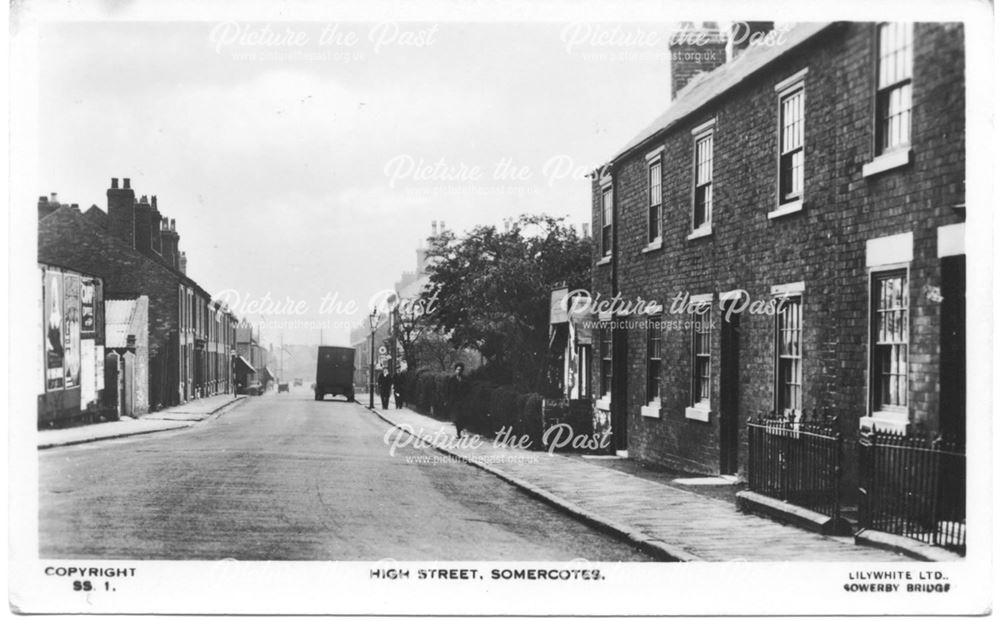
x,y
334,372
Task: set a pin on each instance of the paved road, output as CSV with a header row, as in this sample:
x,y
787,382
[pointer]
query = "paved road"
x,y
286,478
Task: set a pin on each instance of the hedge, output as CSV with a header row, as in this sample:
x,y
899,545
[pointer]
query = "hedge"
x,y
485,408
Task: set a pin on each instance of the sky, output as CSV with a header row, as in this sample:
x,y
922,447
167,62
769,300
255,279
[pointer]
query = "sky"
x,y
308,159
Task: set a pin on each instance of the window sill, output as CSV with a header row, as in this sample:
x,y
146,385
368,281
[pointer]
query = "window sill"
x,y
698,412
885,421
650,410
656,244
887,161
784,210
604,261
604,403
704,231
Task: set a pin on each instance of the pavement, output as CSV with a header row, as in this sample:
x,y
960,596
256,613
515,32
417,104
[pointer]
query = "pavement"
x,y
284,477
667,521
178,417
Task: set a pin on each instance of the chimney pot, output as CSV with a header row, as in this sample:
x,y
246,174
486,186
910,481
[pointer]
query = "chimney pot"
x,y
154,201
54,197
127,183
114,183
173,224
43,199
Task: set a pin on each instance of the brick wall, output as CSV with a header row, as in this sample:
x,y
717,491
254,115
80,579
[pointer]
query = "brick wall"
x,y
822,246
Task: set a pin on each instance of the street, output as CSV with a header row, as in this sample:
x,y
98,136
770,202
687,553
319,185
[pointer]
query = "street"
x,y
283,477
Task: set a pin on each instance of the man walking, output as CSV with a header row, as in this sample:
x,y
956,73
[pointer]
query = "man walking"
x,y
384,388
456,391
398,388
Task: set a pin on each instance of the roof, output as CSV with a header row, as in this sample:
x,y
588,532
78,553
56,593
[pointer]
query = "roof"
x,y
90,226
117,319
707,87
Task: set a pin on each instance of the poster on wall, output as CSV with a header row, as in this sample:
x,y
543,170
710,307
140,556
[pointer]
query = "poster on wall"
x,y
99,367
88,389
54,352
88,323
71,330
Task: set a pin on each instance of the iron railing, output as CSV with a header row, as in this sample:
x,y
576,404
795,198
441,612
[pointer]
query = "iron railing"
x,y
797,459
914,486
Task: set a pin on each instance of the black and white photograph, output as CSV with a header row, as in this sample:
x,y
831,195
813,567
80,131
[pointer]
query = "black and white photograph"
x,y
517,309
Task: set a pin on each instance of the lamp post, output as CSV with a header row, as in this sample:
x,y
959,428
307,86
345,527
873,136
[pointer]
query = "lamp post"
x,y
373,324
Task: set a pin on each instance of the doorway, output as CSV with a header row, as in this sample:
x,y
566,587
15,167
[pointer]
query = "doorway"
x,y
729,392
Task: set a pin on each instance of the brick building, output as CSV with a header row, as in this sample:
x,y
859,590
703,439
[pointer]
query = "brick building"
x,y
133,248
820,175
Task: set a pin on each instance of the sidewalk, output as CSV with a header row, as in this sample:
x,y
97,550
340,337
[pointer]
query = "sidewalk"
x,y
177,417
665,521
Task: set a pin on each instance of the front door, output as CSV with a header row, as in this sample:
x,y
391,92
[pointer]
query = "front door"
x,y
729,380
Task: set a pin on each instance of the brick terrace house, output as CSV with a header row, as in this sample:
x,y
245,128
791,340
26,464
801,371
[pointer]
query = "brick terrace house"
x,y
824,171
134,250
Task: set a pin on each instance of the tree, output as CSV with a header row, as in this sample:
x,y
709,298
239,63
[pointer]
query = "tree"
x,y
490,290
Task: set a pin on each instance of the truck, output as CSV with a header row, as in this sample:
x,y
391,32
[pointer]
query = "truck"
x,y
334,372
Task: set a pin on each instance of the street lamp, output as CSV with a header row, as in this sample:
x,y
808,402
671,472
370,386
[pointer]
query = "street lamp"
x,y
373,325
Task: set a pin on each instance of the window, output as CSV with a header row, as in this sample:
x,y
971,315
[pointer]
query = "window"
x,y
890,340
703,181
701,354
655,199
605,360
606,221
789,356
894,95
790,166
654,359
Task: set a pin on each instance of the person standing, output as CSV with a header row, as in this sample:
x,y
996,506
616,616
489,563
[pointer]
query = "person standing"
x,y
456,391
384,388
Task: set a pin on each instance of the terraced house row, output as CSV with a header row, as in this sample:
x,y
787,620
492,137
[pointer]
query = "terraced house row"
x,y
154,337
821,176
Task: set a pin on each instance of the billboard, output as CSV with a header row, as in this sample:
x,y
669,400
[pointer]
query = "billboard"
x,y
71,330
88,298
53,322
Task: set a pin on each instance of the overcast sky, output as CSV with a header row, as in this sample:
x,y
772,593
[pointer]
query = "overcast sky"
x,y
291,166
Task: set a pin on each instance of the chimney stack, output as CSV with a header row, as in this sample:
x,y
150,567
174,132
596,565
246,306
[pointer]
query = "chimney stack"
x,y
45,207
171,241
121,212
745,35
695,49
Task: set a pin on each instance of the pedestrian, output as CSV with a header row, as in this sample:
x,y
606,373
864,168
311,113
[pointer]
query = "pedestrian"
x,y
399,388
384,388
455,393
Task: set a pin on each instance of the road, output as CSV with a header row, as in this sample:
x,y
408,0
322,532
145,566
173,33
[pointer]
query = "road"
x,y
283,477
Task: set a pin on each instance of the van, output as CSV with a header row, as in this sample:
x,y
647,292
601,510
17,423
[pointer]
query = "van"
x,y
334,372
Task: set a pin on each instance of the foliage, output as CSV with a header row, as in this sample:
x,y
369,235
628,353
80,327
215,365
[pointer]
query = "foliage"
x,y
491,290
